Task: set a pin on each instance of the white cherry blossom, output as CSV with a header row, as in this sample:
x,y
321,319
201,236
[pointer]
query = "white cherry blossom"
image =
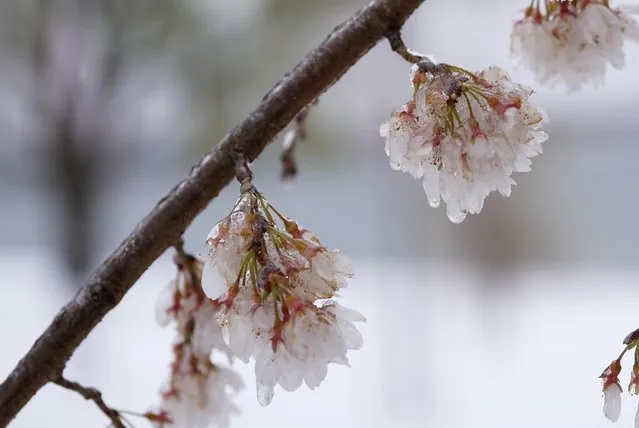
x,y
273,308
198,393
612,402
573,42
303,346
464,134
225,246
612,390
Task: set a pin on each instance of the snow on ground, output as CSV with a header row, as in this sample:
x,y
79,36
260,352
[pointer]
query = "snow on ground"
x,y
438,352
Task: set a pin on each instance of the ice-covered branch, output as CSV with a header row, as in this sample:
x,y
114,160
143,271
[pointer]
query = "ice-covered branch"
x,y
166,223
95,396
399,47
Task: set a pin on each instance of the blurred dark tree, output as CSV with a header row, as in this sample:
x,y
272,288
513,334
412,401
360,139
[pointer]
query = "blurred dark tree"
x,y
75,54
80,67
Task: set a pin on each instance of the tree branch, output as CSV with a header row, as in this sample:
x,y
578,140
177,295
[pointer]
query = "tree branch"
x,y
397,45
166,223
93,395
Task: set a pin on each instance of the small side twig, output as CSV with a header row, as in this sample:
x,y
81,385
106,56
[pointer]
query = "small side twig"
x,y
185,262
95,396
289,164
398,46
179,246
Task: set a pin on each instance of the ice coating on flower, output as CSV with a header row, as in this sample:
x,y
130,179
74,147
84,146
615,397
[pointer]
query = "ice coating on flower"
x,y
612,402
633,386
225,246
464,134
572,42
274,309
198,392
304,345
318,272
207,334
198,395
184,303
612,390
212,284
240,318
165,305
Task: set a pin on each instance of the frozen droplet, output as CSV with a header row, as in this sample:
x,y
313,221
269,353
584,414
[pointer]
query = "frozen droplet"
x,y
457,217
265,394
431,185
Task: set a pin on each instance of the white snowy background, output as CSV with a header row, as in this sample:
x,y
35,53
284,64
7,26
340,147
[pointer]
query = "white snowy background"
x,y
505,320
437,353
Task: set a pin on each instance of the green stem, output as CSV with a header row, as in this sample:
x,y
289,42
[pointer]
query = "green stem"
x,y
254,279
456,115
470,107
277,213
264,205
276,238
241,277
472,94
461,70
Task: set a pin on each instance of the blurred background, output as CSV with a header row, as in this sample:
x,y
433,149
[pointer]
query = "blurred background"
x,y
507,318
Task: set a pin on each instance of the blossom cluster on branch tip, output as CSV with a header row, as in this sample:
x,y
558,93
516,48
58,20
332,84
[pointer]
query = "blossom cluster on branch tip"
x,y
275,284
464,134
610,380
198,393
573,41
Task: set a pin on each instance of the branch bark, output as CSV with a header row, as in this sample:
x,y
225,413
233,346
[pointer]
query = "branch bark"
x,y
95,396
166,223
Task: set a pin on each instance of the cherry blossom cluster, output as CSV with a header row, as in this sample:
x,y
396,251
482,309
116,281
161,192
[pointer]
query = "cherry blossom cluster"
x,y
275,284
464,134
610,379
198,393
573,41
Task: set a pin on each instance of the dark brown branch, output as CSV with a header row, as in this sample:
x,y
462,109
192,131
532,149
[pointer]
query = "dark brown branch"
x,y
95,396
173,214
